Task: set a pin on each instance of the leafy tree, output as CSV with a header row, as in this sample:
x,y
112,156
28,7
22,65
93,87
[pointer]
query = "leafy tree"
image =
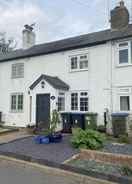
x,y
6,44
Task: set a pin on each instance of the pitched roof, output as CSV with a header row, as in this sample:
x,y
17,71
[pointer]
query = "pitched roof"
x,y
86,40
53,81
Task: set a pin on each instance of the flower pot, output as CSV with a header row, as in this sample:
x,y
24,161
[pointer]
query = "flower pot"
x,y
41,139
55,138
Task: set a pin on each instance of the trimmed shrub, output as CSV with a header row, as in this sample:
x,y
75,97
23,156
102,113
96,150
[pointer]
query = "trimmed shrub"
x,y
88,139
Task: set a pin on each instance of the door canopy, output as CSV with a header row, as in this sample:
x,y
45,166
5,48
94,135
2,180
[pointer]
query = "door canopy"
x,y
55,82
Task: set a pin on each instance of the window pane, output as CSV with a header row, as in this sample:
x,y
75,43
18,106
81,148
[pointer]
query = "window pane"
x,y
124,103
83,57
13,102
84,94
20,102
124,44
123,56
83,64
74,63
74,101
83,104
61,103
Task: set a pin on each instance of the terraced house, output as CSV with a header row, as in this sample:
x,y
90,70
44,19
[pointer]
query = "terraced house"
x,y
87,73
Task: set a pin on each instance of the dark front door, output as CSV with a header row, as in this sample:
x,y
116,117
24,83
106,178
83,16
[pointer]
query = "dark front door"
x,y
43,110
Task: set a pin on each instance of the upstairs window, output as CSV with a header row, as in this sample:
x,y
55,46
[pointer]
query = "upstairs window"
x,y
18,70
79,62
125,53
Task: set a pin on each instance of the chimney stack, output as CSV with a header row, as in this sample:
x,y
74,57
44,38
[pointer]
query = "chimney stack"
x,y
29,36
119,17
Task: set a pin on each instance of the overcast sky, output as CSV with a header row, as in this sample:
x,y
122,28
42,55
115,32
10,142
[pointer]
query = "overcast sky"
x,y
55,19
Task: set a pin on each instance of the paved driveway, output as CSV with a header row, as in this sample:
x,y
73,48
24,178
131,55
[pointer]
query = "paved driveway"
x,y
58,152
17,173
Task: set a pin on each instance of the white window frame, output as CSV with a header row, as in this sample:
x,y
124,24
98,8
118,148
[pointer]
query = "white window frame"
x,y
85,95
77,101
15,74
16,110
125,95
129,53
79,96
125,91
78,62
61,95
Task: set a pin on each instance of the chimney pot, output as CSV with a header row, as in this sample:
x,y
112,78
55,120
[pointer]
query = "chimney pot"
x,y
119,17
122,3
29,36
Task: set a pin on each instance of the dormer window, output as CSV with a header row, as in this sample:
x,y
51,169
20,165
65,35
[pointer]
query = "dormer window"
x,y
79,62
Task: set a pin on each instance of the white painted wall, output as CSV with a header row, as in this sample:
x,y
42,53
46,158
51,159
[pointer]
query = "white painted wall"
x,y
96,80
121,79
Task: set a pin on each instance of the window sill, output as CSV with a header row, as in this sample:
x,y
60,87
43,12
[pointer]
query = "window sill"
x,y
18,112
123,65
78,70
81,112
17,77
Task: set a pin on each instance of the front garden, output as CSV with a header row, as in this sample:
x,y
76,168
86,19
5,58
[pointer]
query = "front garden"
x,y
102,153
89,151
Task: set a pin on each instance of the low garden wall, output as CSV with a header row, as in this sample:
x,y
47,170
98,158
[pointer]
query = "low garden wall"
x,y
117,159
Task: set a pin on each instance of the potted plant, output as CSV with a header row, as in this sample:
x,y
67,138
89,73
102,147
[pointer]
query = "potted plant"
x,y
55,120
50,135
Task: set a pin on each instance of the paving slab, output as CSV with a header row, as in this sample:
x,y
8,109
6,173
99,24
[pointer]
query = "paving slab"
x,y
8,137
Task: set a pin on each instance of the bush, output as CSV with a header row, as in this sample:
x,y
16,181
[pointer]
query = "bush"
x,y
88,139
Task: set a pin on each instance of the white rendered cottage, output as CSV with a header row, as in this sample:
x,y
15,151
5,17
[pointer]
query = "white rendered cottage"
x,y
87,73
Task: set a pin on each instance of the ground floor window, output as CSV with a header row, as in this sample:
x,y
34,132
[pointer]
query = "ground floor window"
x,y
61,102
74,101
79,101
125,103
17,102
84,101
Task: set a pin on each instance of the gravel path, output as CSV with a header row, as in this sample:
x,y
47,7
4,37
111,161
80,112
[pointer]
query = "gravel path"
x,y
118,148
58,152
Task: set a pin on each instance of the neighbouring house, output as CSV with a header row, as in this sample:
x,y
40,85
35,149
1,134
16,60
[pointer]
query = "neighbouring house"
x,y
87,73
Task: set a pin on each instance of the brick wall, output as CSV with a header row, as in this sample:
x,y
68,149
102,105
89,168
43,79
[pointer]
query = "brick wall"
x,y
106,157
